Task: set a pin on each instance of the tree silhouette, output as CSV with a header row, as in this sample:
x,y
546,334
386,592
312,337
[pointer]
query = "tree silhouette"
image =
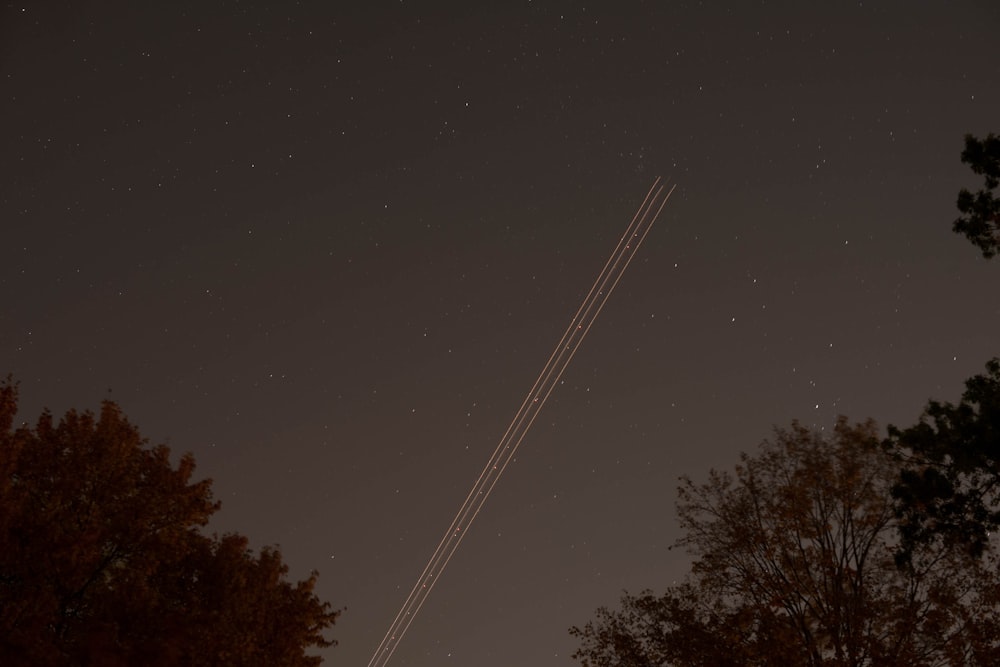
x,y
794,566
949,487
980,222
102,561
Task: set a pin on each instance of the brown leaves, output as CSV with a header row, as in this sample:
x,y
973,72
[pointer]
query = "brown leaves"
x,y
102,560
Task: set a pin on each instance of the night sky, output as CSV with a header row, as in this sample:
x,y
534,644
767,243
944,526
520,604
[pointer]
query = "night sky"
x,y
327,250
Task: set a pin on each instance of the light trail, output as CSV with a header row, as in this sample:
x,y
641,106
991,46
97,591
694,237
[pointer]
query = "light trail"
x,y
547,380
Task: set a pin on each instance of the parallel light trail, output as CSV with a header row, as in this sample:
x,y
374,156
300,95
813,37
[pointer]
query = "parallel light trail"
x,y
578,328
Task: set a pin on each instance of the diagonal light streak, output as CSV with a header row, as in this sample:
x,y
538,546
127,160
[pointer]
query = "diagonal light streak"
x,y
547,380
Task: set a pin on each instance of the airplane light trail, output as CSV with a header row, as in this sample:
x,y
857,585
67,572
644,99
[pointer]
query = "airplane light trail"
x,y
549,377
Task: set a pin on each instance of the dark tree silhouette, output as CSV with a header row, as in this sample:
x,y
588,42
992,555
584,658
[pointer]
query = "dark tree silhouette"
x,y
949,487
102,560
795,567
980,222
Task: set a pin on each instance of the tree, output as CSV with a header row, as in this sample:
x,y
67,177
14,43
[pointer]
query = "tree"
x,y
949,486
102,560
980,222
794,566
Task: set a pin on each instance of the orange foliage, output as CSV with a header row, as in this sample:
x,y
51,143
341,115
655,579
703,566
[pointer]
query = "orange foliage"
x,y
102,560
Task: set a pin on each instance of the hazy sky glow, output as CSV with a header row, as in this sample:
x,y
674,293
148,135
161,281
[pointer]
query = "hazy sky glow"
x,y
329,251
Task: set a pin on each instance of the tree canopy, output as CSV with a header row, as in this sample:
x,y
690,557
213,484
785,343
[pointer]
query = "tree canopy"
x,y
949,486
794,565
103,560
980,221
